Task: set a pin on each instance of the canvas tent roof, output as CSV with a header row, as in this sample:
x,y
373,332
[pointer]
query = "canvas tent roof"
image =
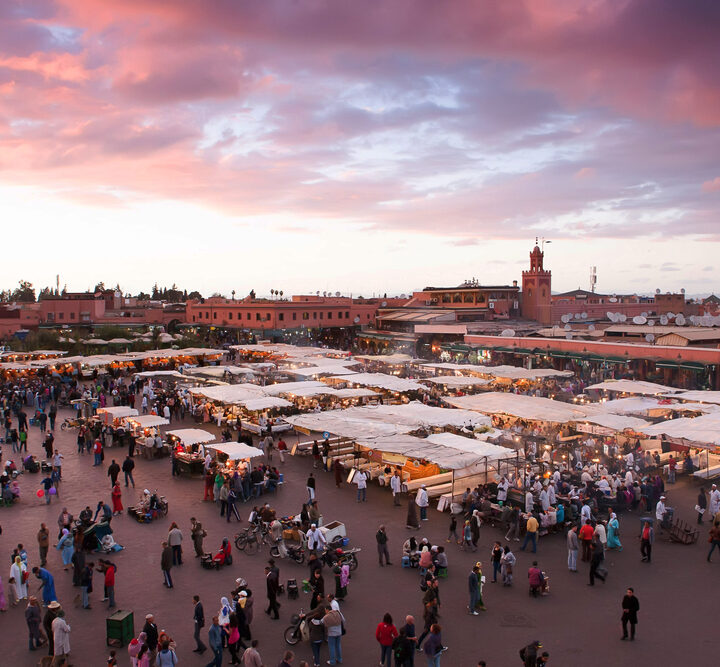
x,y
237,450
192,436
508,372
525,407
458,381
382,381
118,411
699,396
392,359
701,430
148,421
265,403
634,387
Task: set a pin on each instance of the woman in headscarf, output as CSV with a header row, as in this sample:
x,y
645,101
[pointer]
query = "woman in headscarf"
x,y
117,506
223,557
18,572
67,546
613,535
342,576
412,520
224,618
33,619
134,648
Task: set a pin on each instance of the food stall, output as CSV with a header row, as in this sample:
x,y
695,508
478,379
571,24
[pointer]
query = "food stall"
x,y
113,415
188,444
234,456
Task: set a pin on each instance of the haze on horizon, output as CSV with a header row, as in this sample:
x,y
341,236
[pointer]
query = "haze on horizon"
x,y
359,147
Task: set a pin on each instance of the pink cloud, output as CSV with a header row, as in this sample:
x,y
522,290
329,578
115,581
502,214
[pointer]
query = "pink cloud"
x,y
470,117
712,186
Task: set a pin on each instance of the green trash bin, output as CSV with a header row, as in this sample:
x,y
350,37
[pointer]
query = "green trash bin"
x,y
120,628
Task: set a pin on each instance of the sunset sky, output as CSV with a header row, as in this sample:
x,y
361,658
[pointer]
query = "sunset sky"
x,y
360,146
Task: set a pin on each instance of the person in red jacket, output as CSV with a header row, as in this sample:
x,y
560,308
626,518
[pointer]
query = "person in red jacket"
x,y
385,634
586,535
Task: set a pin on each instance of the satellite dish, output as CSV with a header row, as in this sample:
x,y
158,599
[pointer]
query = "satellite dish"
x,y
680,320
591,327
565,318
568,336
610,316
651,323
337,293
356,320
671,316
623,317
682,291
613,299
507,333
568,327
643,314
584,316
650,338
663,319
384,304
657,291
639,319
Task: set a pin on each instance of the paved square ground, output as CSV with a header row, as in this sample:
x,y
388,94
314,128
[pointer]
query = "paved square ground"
x,y
577,624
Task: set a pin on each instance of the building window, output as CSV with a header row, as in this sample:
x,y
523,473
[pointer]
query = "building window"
x,y
446,298
72,316
329,316
214,315
294,316
207,315
267,317
457,298
321,315
230,315
281,317
61,316
347,315
468,298
306,315
257,316
248,316
314,316
193,318
51,317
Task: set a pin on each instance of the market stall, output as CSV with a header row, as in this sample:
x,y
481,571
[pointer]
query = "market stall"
x,y
113,415
188,444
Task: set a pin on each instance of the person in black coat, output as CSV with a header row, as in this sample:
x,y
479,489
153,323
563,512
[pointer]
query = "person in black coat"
x,y
151,635
272,583
318,588
113,472
199,622
630,607
701,503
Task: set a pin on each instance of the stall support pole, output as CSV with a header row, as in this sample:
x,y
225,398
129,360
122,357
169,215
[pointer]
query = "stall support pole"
x,y
452,490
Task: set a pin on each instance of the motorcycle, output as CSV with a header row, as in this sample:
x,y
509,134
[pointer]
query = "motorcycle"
x,y
293,553
341,556
293,633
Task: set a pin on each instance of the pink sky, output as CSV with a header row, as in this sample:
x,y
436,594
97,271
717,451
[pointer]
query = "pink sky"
x,y
364,146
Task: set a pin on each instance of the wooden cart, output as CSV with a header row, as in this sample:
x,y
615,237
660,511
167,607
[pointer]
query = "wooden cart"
x,y
683,532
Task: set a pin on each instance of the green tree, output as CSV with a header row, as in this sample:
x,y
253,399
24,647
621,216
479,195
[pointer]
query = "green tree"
x,y
24,293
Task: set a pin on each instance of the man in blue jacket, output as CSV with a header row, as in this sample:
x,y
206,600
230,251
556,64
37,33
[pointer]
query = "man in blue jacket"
x,y
215,636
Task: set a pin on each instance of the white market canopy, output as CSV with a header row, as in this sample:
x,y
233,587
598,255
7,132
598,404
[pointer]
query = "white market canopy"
x,y
290,387
703,430
96,341
385,420
237,450
390,359
634,387
699,396
653,407
265,403
615,422
219,371
167,374
516,405
119,341
192,436
458,381
447,450
148,421
118,411
382,381
359,392
231,393
323,369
